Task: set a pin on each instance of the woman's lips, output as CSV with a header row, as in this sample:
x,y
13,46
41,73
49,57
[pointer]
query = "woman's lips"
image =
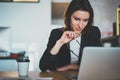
x,y
77,32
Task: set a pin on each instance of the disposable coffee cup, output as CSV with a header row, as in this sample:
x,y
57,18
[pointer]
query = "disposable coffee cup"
x,y
23,66
107,44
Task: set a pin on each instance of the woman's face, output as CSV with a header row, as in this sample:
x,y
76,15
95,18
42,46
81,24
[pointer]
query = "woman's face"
x,y
79,20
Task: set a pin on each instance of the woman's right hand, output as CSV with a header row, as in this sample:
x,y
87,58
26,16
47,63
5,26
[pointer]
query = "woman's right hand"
x,y
65,38
68,36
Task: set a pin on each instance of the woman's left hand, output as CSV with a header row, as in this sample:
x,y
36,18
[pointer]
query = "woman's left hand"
x,y
68,67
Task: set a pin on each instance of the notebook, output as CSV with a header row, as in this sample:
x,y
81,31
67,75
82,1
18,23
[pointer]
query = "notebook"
x,y
99,63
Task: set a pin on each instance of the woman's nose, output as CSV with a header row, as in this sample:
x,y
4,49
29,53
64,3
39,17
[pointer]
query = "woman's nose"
x,y
80,24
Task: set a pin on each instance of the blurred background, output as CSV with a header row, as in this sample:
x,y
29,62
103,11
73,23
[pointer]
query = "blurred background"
x,y
26,26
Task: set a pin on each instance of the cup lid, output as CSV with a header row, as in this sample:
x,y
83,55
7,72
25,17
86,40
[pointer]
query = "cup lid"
x,y
23,59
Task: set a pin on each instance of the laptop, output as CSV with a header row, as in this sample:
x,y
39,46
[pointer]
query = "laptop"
x,y
99,63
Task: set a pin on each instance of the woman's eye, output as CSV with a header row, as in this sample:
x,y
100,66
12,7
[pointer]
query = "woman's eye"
x,y
76,18
86,20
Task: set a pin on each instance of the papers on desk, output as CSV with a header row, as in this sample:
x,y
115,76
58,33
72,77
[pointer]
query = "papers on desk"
x,y
26,78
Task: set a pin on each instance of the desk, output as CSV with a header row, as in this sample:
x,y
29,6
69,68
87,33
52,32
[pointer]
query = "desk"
x,y
56,75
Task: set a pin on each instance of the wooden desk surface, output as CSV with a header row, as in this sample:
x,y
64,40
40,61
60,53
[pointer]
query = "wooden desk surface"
x,y
56,75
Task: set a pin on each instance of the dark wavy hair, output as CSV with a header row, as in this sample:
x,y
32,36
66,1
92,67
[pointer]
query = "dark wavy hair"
x,y
76,5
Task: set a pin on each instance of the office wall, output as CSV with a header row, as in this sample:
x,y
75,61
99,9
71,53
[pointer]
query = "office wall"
x,y
30,23
30,19
105,15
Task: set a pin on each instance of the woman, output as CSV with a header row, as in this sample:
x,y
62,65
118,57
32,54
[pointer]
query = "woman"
x,y
65,46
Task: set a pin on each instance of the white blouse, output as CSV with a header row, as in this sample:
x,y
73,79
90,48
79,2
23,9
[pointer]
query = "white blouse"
x,y
75,47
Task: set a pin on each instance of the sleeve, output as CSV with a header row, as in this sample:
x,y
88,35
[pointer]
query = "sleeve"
x,y
48,61
47,58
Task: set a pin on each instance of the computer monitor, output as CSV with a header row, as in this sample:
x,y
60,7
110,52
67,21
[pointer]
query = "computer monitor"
x,y
5,40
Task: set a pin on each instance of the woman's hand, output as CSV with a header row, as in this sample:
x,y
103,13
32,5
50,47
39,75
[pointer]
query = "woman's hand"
x,y
68,36
68,67
65,38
